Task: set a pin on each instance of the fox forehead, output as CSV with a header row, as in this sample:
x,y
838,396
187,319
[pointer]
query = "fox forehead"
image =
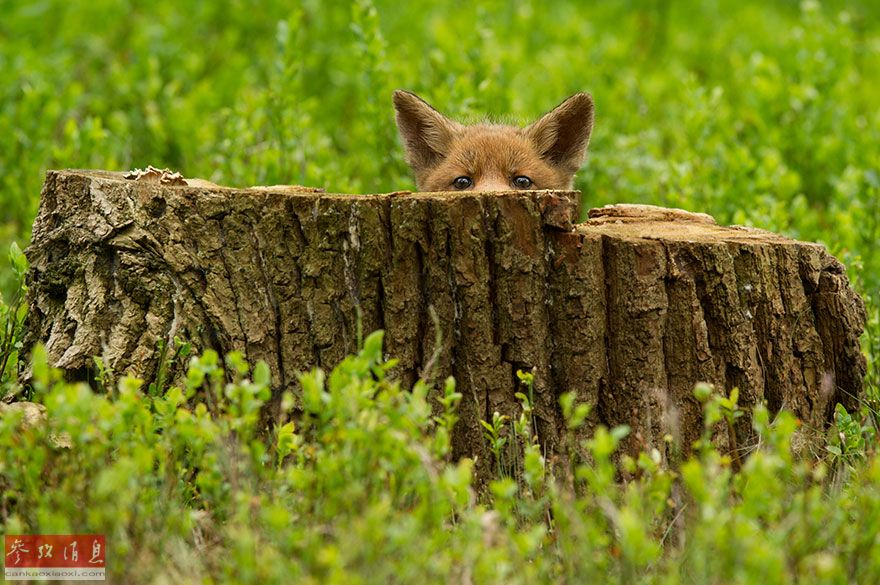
x,y
491,150
486,147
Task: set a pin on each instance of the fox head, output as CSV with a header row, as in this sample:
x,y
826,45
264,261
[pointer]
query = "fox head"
x,y
448,156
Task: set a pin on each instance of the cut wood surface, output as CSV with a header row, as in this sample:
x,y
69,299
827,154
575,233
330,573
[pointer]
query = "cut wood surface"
x,y
627,310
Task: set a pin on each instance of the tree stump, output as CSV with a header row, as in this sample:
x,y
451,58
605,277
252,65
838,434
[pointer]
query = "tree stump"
x,y
627,310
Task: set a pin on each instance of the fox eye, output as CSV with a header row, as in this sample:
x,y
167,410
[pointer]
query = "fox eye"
x,y
462,183
522,182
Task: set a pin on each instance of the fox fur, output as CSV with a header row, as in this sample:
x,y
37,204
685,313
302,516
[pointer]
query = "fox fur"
x,y
447,156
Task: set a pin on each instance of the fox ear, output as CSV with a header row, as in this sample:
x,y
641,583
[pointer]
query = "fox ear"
x,y
562,135
426,133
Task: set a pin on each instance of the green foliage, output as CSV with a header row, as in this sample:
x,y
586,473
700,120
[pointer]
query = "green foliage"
x,y
853,440
12,323
189,485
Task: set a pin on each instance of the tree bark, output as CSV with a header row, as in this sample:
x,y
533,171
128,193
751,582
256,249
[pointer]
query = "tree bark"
x,y
627,310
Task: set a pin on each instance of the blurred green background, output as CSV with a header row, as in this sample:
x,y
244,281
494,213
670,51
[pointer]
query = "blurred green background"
x,y
764,113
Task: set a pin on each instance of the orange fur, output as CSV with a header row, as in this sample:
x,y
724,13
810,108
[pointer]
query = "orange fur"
x,y
549,152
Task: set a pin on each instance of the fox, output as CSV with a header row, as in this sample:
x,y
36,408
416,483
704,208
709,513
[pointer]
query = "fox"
x,y
445,155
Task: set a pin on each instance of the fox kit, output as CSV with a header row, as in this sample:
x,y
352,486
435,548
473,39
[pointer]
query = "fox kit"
x,y
448,156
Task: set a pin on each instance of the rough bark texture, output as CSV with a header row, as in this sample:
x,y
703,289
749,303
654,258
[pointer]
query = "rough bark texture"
x,y
628,310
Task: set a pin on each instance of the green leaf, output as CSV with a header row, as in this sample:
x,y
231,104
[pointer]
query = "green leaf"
x,y
262,374
373,346
18,260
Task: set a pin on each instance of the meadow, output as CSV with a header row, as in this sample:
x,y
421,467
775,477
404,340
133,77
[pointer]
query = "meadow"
x,y
758,113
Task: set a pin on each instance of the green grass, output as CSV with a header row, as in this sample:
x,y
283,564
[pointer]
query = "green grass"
x,y
360,488
755,112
